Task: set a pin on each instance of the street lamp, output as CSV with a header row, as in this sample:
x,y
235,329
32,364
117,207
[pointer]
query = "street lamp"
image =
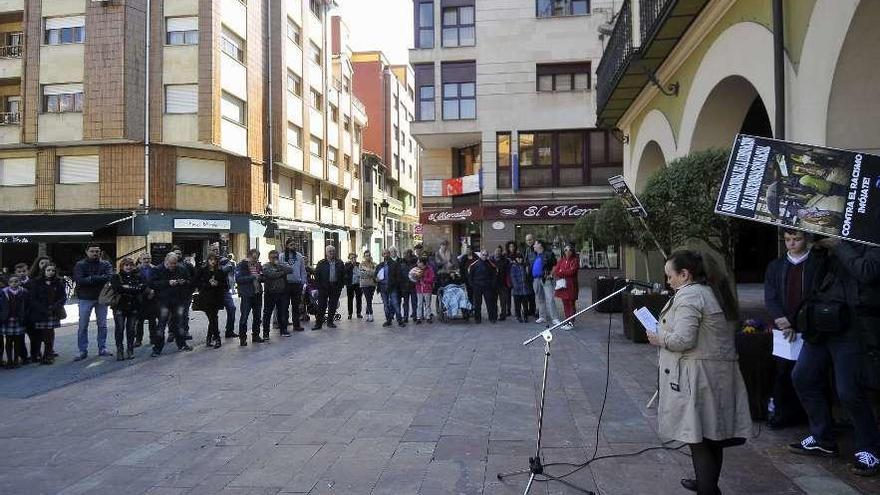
x,y
383,214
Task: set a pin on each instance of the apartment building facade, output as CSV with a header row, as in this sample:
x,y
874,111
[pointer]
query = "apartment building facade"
x,y
105,140
505,113
391,162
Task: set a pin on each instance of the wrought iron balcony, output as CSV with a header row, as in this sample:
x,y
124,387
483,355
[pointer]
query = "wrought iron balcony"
x,y
616,58
10,51
10,118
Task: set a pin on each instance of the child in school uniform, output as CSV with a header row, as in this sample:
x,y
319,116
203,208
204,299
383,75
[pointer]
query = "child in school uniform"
x,y
13,319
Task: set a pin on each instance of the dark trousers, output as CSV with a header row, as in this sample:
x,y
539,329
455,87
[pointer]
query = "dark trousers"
x,y
844,352
36,339
785,399
248,305
48,335
273,301
531,308
489,295
184,324
504,299
409,304
368,298
328,302
521,306
294,296
213,324
353,293
171,315
151,322
124,330
708,457
229,307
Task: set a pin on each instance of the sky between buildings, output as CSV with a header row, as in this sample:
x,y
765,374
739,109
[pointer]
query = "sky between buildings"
x,y
385,25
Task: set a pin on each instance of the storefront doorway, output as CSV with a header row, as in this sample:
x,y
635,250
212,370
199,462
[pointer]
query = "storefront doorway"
x,y
196,244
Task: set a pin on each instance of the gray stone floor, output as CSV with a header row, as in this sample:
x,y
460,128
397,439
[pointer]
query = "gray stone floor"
x,y
430,409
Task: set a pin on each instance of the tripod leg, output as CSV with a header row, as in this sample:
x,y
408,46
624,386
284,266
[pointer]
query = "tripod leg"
x,y
513,473
568,483
529,484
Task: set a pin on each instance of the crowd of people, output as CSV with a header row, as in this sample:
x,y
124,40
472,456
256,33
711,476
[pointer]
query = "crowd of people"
x,y
156,300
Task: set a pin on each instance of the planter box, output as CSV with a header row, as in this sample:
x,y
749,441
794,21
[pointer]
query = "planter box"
x,y
758,370
632,329
601,288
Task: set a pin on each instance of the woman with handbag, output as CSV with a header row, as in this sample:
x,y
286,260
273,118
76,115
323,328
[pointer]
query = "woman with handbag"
x,y
703,398
212,283
565,274
367,281
128,287
48,295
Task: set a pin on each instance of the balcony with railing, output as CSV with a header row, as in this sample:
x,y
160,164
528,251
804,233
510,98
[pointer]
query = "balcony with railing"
x,y
640,42
10,60
10,128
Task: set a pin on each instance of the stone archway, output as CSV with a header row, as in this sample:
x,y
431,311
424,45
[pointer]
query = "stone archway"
x,y
854,104
651,161
723,113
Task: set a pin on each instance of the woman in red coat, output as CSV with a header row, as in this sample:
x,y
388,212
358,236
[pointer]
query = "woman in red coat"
x,y
567,269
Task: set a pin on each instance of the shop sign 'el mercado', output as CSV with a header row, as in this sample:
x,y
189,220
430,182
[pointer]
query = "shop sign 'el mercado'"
x,y
538,211
822,190
450,216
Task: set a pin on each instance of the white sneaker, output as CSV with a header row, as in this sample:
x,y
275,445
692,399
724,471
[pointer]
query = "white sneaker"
x,y
540,320
555,321
568,326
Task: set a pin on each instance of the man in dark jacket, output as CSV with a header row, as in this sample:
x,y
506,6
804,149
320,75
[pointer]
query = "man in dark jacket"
x,y
391,278
275,294
90,275
483,276
249,278
353,285
227,266
189,273
787,283
849,341
502,263
295,281
172,290
330,277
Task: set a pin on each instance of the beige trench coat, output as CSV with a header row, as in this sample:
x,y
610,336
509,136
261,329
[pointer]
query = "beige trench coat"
x,y
702,393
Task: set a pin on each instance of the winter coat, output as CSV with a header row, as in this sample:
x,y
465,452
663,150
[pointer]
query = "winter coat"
x,y
368,274
853,278
275,277
211,296
90,277
425,285
502,264
248,284
567,268
395,275
407,264
520,284
149,301
322,274
483,274
297,264
129,287
16,306
775,283
702,392
352,273
47,300
464,267
167,294
547,266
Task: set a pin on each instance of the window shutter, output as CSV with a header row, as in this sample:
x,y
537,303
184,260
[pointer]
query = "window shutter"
x,y
182,98
459,72
62,89
65,22
197,171
18,172
78,169
173,24
285,186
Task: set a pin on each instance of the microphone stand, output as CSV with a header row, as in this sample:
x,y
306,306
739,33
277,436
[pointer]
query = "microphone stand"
x,y
536,463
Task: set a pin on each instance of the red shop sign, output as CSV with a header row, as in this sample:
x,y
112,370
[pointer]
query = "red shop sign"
x,y
451,215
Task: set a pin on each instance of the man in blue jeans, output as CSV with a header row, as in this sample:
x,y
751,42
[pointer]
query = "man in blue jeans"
x,y
390,277
90,275
227,265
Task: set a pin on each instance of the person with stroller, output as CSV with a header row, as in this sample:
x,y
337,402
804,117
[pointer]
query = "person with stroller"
x,y
330,276
367,281
483,276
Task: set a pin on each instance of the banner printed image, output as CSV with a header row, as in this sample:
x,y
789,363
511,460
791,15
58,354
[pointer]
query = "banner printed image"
x,y
816,189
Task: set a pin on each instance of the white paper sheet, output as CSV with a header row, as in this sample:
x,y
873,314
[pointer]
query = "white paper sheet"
x,y
647,320
785,349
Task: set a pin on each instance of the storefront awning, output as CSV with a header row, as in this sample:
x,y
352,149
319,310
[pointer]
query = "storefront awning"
x,y
26,229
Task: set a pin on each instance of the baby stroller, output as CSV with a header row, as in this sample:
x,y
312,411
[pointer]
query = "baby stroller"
x,y
452,300
309,305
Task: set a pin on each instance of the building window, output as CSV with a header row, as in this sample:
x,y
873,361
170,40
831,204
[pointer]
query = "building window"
x,y
233,109
182,98
355,206
424,25
294,32
315,54
502,160
346,123
232,45
294,84
316,8
467,161
395,132
564,158
458,26
459,101
346,161
334,113
316,100
199,172
11,111
346,84
331,156
308,193
285,187
426,103
182,30
294,135
65,30
63,98
18,172
561,8
82,169
316,147
563,77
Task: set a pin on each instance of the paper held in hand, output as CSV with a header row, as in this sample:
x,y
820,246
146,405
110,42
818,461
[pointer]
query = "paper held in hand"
x,y
785,349
647,320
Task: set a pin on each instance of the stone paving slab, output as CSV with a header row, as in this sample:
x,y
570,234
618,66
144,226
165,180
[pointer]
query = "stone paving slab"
x,y
429,409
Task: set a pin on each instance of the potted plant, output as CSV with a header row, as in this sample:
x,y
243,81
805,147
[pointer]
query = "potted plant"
x,y
754,344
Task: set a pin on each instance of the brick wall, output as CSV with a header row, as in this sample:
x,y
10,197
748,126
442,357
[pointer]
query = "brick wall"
x,y
244,180
209,71
157,93
32,27
47,171
256,43
122,176
163,177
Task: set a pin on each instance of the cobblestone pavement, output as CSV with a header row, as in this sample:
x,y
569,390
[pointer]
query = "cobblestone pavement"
x,y
430,409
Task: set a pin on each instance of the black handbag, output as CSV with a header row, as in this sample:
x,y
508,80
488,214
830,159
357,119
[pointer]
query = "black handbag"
x,y
198,303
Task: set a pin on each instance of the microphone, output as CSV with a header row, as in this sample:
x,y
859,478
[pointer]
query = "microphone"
x,y
639,283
